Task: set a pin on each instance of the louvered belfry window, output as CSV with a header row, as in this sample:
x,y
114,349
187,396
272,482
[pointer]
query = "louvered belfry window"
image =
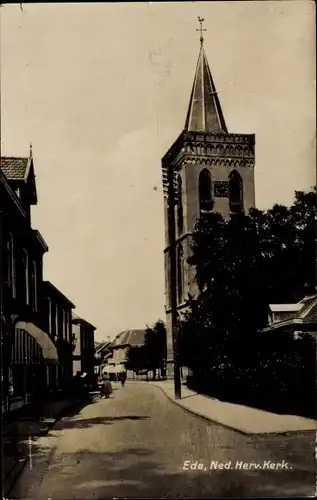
x,y
180,217
205,191
180,274
235,193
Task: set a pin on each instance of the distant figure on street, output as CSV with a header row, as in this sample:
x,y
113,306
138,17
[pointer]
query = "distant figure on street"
x,y
123,378
85,384
77,381
106,387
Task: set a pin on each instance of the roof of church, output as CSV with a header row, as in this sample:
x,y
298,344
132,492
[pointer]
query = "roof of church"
x,y
15,168
204,111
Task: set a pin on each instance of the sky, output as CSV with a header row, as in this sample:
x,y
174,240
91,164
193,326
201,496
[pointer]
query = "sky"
x,y
101,91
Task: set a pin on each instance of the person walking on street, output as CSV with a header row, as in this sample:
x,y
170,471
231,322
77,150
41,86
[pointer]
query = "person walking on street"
x,y
106,387
123,378
77,384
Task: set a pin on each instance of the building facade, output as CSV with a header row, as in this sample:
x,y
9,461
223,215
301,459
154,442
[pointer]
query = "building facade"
x,y
27,349
120,347
57,321
83,334
213,171
296,319
102,353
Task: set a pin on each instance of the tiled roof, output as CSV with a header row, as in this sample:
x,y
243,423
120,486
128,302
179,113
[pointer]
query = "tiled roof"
x,y
304,312
15,168
103,346
129,337
309,311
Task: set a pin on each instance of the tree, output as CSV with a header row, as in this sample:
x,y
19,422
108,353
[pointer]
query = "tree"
x,y
242,265
136,359
155,346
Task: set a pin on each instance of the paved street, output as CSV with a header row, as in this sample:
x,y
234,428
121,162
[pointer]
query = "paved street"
x,y
135,445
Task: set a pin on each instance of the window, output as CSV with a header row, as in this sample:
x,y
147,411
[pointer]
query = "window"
x,y
26,276
180,274
205,194
62,323
34,285
9,261
167,279
82,338
180,219
235,192
69,326
11,277
50,322
57,331
66,326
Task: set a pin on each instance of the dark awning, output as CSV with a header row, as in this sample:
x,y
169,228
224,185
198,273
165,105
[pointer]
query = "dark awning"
x,y
49,350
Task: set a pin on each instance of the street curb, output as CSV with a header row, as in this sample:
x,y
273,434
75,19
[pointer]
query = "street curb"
x,y
11,478
200,415
210,420
15,472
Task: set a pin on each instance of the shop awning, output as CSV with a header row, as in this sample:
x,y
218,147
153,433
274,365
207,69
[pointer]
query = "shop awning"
x,y
49,350
113,369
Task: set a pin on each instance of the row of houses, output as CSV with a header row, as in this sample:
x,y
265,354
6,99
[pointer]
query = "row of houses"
x,y
112,355
39,331
296,319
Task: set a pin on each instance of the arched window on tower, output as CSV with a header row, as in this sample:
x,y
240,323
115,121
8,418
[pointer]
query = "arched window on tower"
x,y
235,192
180,218
205,194
180,274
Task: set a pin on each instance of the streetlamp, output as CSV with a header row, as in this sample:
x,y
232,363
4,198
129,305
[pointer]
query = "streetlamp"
x,y
171,200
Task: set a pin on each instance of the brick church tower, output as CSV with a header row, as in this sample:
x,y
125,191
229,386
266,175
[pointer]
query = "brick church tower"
x,y
213,172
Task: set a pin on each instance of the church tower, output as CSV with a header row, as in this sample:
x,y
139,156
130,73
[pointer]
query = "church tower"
x,y
213,172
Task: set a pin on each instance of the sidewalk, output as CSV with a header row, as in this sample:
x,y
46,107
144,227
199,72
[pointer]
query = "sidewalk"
x,y
30,422
237,417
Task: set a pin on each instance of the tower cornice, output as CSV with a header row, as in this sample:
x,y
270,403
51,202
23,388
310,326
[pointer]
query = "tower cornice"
x,y
204,144
220,161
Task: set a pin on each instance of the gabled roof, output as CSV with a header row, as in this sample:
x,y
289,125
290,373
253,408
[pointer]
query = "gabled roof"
x,y
306,313
15,168
204,111
20,169
129,337
309,311
302,307
12,194
103,346
77,320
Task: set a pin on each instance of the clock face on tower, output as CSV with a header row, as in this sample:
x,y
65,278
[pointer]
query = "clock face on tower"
x,y
221,189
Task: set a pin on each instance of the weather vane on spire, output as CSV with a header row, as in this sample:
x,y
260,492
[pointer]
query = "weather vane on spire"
x,y
201,20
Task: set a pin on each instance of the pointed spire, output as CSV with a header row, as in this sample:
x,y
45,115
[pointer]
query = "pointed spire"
x,y
31,150
204,111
